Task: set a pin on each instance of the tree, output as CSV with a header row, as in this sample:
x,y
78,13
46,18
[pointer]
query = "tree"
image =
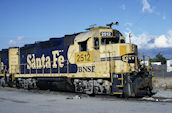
x,y
159,58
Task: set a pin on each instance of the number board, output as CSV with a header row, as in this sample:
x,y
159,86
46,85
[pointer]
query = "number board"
x,y
129,58
84,57
106,34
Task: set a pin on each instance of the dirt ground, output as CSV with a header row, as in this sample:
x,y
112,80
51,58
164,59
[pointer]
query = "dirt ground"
x,y
162,82
23,101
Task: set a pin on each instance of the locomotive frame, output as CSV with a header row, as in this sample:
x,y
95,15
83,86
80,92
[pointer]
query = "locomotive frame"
x,y
97,61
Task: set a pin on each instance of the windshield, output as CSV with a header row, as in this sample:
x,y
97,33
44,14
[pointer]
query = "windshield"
x,y
105,41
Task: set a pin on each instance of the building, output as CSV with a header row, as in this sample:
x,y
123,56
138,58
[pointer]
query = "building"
x,y
169,65
156,63
152,63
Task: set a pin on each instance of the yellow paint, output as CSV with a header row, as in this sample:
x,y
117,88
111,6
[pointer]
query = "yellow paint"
x,y
1,75
122,50
130,48
119,93
96,75
111,78
111,71
13,77
148,67
84,75
70,75
84,57
14,60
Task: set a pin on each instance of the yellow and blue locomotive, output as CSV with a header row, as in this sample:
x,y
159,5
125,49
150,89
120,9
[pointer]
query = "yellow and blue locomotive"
x,y
97,61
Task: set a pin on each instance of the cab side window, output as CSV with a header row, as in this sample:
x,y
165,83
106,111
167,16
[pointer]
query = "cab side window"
x,y
117,34
83,46
122,41
96,43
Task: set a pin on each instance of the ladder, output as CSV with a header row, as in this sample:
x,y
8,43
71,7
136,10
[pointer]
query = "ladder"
x,y
117,83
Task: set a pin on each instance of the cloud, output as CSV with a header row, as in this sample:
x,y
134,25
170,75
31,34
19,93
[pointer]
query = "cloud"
x,y
146,7
17,41
160,15
19,38
123,7
164,17
128,24
12,42
146,41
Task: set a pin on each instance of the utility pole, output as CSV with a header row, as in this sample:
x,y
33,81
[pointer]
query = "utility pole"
x,y
130,37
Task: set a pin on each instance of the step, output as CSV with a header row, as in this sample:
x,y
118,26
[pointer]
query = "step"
x,y
119,85
117,93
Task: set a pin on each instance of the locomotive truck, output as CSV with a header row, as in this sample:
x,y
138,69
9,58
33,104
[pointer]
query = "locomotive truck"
x,y
97,61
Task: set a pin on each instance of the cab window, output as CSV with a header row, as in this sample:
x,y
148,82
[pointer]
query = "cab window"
x,y
83,46
117,34
96,43
105,41
122,41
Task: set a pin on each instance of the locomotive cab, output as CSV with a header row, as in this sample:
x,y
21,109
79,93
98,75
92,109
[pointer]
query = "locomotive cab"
x,y
101,54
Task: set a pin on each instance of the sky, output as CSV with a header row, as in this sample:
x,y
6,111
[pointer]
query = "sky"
x,y
25,21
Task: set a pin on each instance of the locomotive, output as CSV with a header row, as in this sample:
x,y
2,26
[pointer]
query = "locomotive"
x,y
97,61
